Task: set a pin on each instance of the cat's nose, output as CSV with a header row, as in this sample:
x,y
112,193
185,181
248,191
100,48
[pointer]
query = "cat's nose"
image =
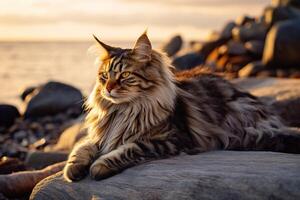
x,y
110,86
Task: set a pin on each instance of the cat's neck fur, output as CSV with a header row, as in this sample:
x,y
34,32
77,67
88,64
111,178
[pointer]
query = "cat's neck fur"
x,y
111,124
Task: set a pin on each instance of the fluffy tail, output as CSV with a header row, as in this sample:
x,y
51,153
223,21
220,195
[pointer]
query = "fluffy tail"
x,y
286,141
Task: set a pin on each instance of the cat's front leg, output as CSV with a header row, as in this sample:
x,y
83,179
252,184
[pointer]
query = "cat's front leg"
x,y
79,161
130,154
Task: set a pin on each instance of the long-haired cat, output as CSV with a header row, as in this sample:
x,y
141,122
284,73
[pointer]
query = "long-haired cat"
x,y
139,110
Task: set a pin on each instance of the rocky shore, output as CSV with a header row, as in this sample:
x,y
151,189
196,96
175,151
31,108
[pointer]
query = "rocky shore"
x,y
262,46
35,143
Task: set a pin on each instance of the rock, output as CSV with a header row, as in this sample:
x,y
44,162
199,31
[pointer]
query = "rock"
x,y
235,63
39,159
8,115
188,61
227,29
213,57
19,135
69,137
251,69
282,45
280,73
281,94
255,47
295,74
211,175
253,31
243,20
266,73
221,63
173,46
52,98
294,3
208,47
272,15
195,46
10,165
233,48
39,143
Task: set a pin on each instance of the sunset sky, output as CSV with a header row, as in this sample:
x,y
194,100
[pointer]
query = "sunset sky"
x,y
118,19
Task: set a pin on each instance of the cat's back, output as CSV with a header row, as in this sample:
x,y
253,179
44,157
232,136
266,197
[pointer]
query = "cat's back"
x,y
201,83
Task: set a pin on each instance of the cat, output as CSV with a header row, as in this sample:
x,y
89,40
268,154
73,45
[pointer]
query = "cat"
x,y
140,109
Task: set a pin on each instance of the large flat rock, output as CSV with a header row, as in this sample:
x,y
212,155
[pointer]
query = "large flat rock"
x,y
212,175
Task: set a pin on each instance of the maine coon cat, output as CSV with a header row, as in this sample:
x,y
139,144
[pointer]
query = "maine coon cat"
x,y
140,110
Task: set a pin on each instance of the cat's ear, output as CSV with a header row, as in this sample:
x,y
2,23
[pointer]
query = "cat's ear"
x,y
143,48
105,50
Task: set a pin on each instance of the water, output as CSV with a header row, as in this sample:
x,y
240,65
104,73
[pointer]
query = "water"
x,y
24,64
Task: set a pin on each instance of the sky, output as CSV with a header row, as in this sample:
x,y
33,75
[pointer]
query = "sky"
x,y
26,20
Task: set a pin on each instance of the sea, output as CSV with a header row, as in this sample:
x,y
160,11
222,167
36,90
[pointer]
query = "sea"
x,y
25,64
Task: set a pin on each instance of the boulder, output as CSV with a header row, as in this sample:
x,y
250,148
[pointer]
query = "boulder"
x,y
283,95
40,159
253,31
282,45
255,47
227,29
235,63
272,15
52,98
211,175
188,61
243,20
251,69
173,45
294,3
8,115
233,48
209,46
10,165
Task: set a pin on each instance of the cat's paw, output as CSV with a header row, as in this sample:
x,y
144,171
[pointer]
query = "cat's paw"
x,y
75,171
99,170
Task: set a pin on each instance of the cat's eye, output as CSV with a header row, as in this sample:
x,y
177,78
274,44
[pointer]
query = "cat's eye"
x,y
125,74
104,75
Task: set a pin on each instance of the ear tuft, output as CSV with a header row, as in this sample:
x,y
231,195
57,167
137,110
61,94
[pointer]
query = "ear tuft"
x,y
105,50
143,48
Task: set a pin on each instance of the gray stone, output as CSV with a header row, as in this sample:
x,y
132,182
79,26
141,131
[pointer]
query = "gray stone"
x,y
212,175
226,32
173,46
209,46
188,61
243,20
233,48
283,95
282,45
53,98
253,31
295,3
39,159
8,115
255,47
272,15
251,69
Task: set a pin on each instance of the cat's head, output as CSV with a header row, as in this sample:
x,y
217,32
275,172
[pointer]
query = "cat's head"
x,y
125,75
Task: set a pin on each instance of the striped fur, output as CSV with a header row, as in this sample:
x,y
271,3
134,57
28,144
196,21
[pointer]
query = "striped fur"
x,y
153,113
